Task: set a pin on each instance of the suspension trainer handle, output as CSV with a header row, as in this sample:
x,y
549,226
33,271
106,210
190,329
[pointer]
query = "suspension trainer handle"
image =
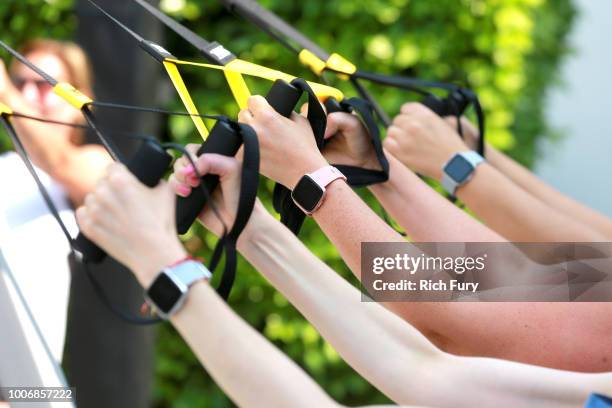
x,y
224,139
149,165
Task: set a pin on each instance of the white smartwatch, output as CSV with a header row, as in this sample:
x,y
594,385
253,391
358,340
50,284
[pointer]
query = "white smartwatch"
x,y
168,291
459,170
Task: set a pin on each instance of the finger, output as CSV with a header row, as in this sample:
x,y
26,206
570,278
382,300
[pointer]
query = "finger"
x,y
304,109
339,122
245,116
220,165
179,188
258,106
412,108
333,125
92,229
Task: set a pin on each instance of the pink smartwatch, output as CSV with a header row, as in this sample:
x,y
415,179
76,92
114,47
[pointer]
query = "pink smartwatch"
x,y
309,192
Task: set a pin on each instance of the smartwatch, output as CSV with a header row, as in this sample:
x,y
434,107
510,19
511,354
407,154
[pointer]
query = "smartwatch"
x,y
309,192
168,291
459,170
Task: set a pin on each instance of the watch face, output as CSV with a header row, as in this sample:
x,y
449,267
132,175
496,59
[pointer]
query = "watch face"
x,y
459,169
307,194
164,293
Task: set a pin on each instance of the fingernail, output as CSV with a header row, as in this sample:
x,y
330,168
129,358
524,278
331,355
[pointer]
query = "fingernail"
x,y
183,190
193,180
188,170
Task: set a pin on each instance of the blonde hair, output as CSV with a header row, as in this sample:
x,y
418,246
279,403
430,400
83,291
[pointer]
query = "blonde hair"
x,y
74,58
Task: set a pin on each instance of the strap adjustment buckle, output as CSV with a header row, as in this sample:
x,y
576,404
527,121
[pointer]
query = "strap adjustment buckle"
x,y
308,58
338,63
156,51
71,95
5,110
218,53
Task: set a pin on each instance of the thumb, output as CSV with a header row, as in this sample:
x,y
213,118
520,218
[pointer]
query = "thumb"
x,y
338,122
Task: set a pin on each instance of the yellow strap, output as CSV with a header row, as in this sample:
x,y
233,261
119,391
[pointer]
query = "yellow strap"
x,y
237,85
5,110
242,67
71,95
179,84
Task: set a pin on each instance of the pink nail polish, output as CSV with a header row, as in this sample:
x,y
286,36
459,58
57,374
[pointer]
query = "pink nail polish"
x,y
189,170
183,190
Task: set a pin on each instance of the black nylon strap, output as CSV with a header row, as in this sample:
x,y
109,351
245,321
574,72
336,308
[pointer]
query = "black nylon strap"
x,y
357,176
210,50
249,184
291,215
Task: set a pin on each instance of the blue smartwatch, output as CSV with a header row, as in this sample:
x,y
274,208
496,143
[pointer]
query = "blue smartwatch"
x,y
459,170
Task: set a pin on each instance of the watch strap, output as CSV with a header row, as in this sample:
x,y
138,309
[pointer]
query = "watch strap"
x,y
325,175
189,272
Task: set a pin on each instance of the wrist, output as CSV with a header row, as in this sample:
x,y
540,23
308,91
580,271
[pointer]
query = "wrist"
x,y
307,167
146,268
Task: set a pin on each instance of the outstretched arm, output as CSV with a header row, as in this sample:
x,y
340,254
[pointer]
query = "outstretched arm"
x,y
392,355
538,188
424,142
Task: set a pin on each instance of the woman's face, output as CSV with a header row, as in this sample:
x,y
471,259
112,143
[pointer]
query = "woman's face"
x,y
38,93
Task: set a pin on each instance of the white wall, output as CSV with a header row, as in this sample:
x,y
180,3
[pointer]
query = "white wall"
x,y
581,164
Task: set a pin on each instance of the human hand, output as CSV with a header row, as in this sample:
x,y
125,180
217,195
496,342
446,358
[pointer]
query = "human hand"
x,y
348,142
470,132
287,146
133,223
422,140
225,197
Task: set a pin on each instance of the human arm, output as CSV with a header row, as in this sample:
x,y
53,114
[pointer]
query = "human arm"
x,y
417,208
527,180
424,142
392,355
288,151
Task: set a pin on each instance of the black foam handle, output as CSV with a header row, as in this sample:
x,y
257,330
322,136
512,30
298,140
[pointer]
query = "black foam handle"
x,y
223,139
332,105
148,165
453,104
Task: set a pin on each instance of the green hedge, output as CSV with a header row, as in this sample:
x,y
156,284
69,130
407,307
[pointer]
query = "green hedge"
x,y
507,50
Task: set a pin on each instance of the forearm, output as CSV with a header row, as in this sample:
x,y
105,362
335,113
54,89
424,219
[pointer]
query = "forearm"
x,y
251,371
516,214
493,382
544,192
423,213
390,354
347,221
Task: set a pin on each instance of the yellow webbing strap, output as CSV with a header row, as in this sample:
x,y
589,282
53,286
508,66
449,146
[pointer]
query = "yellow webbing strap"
x,y
71,95
335,62
5,110
239,67
237,85
181,88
